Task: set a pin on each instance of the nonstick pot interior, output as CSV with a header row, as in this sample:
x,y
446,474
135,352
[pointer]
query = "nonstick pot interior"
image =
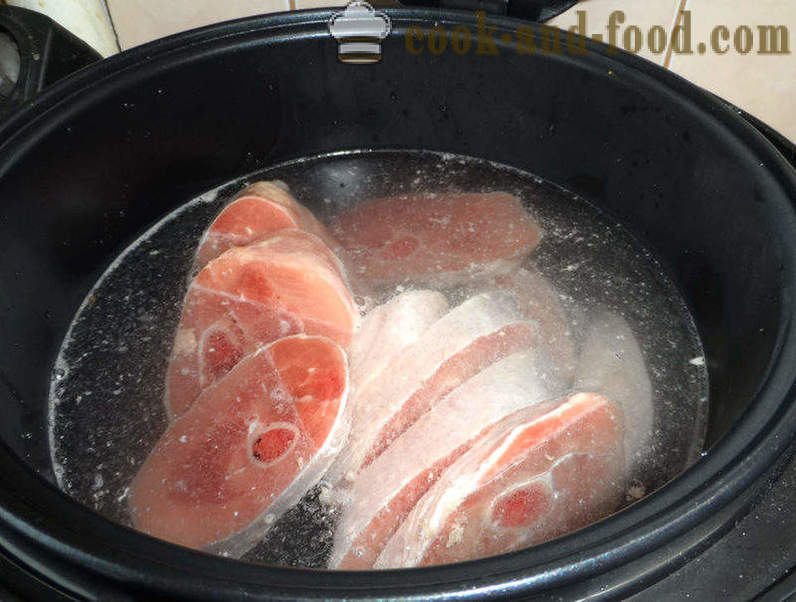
x,y
89,165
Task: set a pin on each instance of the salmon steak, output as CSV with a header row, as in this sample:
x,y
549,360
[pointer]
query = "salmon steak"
x,y
249,447
437,240
539,301
257,210
389,328
385,491
287,283
611,363
543,471
460,344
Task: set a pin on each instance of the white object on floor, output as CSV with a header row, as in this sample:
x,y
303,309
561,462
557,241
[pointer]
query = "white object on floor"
x,y
9,64
87,19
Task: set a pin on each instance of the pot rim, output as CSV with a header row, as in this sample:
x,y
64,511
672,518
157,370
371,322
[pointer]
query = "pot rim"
x,y
76,542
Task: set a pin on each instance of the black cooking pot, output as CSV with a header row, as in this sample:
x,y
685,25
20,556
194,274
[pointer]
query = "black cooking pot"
x,y
89,164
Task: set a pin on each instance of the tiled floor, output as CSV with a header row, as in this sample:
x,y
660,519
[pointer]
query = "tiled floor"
x,y
763,84
139,21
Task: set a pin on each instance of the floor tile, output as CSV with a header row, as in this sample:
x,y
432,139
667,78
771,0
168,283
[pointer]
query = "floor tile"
x,y
762,84
302,4
305,4
139,21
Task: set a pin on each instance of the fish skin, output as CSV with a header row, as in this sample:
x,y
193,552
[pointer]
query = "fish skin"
x,y
384,492
611,362
498,496
389,328
538,300
379,403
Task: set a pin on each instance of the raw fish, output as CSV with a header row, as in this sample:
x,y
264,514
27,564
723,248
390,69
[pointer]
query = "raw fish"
x,y
611,363
439,240
287,283
542,472
389,328
467,339
385,491
249,447
257,210
539,301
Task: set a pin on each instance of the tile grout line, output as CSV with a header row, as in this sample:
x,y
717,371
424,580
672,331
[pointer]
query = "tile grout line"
x,y
113,25
676,22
